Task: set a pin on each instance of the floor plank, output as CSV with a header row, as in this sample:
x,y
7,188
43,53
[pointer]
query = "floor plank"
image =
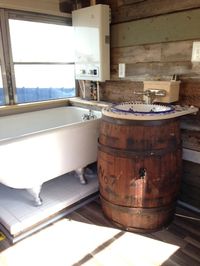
x,y
183,234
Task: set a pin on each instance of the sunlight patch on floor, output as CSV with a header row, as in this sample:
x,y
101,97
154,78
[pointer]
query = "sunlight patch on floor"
x,y
68,242
133,249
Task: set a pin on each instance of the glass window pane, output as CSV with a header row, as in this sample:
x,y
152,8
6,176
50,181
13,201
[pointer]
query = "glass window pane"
x,y
44,82
2,96
41,42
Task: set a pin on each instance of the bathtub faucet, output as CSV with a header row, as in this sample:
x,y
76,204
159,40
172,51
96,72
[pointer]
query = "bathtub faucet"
x,y
89,116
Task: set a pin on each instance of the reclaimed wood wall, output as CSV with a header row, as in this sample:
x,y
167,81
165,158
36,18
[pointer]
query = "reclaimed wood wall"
x,y
154,39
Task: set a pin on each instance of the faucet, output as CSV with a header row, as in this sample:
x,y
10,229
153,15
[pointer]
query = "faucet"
x,y
89,116
151,94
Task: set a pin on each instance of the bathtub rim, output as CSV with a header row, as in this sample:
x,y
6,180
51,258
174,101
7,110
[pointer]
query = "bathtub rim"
x,y
43,131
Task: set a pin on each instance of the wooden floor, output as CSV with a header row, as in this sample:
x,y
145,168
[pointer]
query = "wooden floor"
x,y
183,232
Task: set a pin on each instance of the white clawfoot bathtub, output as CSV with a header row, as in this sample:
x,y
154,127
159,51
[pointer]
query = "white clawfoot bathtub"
x,y
41,145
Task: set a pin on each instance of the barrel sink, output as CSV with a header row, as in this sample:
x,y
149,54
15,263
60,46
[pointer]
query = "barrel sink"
x,y
139,170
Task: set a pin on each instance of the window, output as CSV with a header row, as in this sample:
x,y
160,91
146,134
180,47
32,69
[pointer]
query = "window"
x,y
2,95
3,92
41,58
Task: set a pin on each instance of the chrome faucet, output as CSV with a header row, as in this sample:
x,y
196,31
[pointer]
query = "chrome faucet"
x,y
89,116
151,94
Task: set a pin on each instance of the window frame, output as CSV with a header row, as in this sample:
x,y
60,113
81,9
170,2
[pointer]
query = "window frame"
x,y
7,64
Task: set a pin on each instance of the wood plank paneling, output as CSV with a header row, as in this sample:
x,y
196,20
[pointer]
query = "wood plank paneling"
x,y
191,155
180,51
190,93
127,2
120,91
164,52
155,61
156,71
135,54
166,28
190,185
191,139
136,9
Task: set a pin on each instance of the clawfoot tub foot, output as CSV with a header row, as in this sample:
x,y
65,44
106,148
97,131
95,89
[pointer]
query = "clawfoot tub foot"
x,y
80,173
35,192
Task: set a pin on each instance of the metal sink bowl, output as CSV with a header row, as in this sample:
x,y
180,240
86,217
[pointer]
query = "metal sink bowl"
x,y
140,108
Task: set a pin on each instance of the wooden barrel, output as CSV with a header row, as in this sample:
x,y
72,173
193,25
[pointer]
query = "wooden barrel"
x,y
139,169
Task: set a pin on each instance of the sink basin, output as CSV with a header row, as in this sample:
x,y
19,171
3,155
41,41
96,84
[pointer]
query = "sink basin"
x,y
140,108
140,111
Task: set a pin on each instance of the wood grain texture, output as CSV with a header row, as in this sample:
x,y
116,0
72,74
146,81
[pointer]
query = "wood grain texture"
x,y
190,93
128,10
127,2
120,91
166,28
156,71
156,61
182,232
139,166
135,54
191,139
190,185
160,52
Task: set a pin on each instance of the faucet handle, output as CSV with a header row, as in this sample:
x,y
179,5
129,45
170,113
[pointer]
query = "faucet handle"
x,y
138,92
157,92
151,94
